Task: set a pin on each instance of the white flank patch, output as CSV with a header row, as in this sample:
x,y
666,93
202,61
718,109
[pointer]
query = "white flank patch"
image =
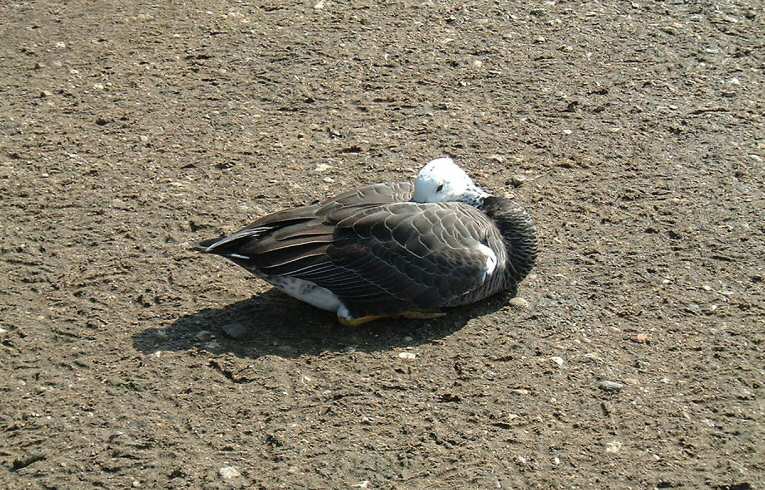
x,y
308,292
491,260
238,256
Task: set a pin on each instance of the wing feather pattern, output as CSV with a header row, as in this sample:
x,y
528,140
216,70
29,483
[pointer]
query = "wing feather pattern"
x,y
371,247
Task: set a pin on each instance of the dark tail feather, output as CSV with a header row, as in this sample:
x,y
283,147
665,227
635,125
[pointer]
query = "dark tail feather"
x,y
230,244
204,245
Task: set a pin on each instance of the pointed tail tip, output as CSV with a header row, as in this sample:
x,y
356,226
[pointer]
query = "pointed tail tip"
x,y
204,245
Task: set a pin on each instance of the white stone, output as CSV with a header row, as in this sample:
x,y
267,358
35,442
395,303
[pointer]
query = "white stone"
x,y
519,303
229,472
613,447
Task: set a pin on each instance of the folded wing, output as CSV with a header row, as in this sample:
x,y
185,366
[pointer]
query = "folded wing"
x,y
370,249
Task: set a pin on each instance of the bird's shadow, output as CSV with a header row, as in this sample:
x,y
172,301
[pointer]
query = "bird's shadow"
x,y
272,323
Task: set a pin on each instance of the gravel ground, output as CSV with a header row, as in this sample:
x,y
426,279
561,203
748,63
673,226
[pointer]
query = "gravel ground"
x,y
633,131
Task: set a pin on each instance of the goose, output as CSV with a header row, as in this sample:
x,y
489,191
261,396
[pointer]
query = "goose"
x,y
392,249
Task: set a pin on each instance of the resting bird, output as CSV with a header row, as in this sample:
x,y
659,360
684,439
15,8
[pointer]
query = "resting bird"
x,y
391,250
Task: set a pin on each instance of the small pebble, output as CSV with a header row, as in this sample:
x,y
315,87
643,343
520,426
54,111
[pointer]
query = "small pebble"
x,y
613,446
518,180
229,472
407,355
322,167
557,360
235,330
136,484
641,338
693,308
328,180
610,386
2,331
518,302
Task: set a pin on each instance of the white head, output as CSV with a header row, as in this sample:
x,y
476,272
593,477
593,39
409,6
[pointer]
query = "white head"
x,y
443,181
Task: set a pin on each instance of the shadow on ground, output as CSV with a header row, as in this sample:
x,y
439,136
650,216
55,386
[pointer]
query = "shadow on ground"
x,y
275,324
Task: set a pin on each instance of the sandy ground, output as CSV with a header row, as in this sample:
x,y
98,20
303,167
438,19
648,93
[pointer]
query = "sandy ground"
x,y
633,131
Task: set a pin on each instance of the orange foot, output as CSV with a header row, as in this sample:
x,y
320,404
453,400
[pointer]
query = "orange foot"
x,y
409,315
422,315
355,322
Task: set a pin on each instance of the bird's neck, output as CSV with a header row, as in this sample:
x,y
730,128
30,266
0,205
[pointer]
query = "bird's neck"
x,y
518,231
474,197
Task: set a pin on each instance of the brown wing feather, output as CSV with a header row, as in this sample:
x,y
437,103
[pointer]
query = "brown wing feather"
x,y
288,231
376,251
406,255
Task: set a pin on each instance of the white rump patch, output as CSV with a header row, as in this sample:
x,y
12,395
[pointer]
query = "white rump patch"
x,y
491,260
308,292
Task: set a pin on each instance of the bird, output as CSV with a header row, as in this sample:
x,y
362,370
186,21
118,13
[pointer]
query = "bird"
x,y
391,250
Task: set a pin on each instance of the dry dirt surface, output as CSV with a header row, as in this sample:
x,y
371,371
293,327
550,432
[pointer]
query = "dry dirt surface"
x,y
633,131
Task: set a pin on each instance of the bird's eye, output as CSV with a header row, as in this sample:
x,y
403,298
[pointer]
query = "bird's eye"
x,y
440,188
